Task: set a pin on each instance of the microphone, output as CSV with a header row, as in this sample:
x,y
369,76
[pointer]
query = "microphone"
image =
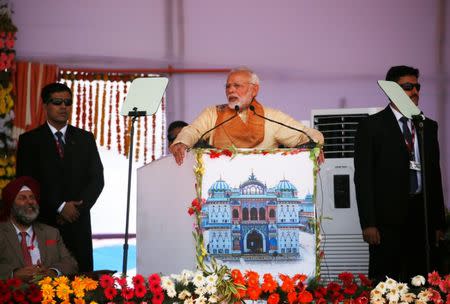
x,y
202,143
310,144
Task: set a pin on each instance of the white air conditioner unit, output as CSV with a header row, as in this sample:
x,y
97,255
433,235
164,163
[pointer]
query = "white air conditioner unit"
x,y
342,243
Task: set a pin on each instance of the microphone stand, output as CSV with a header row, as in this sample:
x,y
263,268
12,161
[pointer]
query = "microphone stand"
x,y
309,145
135,114
418,121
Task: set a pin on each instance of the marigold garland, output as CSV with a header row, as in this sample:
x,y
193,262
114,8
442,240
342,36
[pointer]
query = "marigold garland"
x,y
78,105
110,102
96,107
163,124
145,138
138,140
89,101
118,136
153,136
84,106
102,118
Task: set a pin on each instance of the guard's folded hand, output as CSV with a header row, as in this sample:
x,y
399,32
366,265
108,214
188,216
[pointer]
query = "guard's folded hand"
x,y
371,235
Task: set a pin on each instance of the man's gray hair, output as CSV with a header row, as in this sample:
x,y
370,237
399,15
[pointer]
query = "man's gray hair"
x,y
254,79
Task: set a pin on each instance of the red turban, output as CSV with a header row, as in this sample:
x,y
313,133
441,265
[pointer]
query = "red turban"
x,y
11,190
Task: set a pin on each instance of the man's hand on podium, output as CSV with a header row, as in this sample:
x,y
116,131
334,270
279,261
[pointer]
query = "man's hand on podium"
x,y
179,152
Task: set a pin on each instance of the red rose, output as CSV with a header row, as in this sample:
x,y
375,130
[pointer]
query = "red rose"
x,y
351,289
18,296
346,277
333,287
34,294
364,280
362,300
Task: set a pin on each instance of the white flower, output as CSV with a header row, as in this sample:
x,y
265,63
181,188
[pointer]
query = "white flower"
x,y
167,283
408,297
171,292
201,290
200,300
199,279
376,294
184,294
186,275
390,283
377,301
402,288
423,296
211,289
381,287
418,281
176,277
189,301
213,299
393,296
211,280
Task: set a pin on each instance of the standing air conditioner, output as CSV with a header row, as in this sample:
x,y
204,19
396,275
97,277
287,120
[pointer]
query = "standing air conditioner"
x,y
342,243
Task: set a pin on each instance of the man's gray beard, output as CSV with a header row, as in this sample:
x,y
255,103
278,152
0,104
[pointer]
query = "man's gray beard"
x,y
22,217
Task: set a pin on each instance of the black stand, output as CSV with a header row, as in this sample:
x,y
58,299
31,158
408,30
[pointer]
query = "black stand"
x,y
418,121
135,114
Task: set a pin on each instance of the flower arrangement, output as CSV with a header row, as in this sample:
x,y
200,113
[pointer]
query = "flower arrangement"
x,y
15,291
7,55
66,291
390,291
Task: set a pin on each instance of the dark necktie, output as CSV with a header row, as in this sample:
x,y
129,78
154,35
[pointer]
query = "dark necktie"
x,y
60,143
413,182
25,251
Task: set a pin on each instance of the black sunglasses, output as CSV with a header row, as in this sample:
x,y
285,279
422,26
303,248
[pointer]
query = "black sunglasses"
x,y
59,101
409,86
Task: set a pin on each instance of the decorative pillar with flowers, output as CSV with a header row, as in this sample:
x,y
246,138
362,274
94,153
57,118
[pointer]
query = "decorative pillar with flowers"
x,y
7,64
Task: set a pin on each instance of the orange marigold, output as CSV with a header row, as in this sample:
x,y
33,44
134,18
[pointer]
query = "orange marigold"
x,y
273,299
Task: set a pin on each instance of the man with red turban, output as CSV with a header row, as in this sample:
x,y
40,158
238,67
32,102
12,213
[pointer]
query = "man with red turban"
x,y
27,247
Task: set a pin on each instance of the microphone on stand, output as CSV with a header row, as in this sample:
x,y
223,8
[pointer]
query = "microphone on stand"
x,y
310,144
204,144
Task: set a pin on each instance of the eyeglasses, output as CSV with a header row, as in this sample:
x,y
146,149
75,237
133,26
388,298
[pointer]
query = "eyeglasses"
x,y
59,101
409,86
236,85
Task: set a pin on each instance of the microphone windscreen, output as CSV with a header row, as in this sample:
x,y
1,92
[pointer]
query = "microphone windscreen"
x,y
252,108
236,108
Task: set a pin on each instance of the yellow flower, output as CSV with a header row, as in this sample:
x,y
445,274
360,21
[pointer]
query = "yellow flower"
x,y
45,281
90,284
3,161
48,292
10,171
49,301
63,292
62,280
79,301
2,171
93,302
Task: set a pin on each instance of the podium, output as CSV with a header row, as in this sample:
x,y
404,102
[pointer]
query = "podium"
x,y
258,211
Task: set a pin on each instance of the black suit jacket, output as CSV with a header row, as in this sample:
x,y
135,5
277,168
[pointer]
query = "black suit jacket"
x,y
78,176
382,173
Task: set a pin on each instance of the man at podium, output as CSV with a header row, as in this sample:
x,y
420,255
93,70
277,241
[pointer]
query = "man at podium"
x,y
243,122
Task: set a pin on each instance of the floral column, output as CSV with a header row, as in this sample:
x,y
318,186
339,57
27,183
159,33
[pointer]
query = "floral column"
x,y
7,64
